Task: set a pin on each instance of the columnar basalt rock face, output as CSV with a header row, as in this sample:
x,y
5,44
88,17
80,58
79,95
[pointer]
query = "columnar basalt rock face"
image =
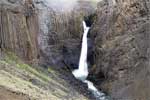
x,y
19,28
122,46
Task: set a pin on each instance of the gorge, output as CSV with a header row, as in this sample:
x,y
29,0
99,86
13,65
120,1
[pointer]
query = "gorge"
x,y
41,40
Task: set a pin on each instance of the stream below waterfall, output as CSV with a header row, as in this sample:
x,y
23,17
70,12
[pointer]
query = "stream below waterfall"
x,y
82,72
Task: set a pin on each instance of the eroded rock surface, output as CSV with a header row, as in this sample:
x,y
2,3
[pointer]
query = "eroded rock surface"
x,y
122,34
19,28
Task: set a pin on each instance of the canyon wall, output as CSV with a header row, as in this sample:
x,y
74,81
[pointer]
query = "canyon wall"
x,y
121,35
19,28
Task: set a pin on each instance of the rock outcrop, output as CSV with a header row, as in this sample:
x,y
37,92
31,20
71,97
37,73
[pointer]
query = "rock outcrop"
x,y
121,34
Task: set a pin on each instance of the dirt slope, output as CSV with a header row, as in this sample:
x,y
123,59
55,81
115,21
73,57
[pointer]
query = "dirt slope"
x,y
19,81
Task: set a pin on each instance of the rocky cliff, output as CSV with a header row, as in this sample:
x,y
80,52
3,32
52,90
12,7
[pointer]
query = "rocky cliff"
x,y
121,34
19,28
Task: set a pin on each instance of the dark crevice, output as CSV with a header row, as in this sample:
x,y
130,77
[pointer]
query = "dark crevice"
x,y
90,19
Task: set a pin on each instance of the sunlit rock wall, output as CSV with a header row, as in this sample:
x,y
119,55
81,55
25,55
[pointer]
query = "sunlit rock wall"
x,y
19,28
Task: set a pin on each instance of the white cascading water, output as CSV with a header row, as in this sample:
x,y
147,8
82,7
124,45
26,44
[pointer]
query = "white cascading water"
x,y
82,72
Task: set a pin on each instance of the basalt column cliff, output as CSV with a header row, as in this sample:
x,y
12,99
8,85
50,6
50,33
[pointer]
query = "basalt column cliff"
x,y
121,34
19,28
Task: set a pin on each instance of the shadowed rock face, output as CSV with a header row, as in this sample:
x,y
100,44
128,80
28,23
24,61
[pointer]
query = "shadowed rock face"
x,y
122,41
61,33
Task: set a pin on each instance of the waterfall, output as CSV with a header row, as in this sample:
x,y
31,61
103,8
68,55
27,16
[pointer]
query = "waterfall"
x,y
82,72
